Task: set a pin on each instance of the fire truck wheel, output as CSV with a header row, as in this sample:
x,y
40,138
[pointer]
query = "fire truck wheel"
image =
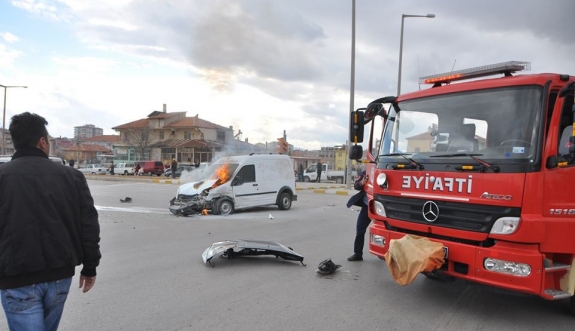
x,y
572,305
224,206
284,202
381,257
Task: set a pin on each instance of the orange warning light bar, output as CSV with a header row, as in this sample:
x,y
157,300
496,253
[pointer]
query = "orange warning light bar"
x,y
506,68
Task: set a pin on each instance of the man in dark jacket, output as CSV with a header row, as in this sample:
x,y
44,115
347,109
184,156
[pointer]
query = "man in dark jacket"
x,y
363,220
48,226
319,169
174,167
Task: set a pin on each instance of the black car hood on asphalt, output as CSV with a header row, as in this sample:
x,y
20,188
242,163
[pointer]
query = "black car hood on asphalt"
x,y
235,248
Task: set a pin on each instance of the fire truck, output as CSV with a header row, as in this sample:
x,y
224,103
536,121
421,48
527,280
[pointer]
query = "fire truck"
x,y
484,166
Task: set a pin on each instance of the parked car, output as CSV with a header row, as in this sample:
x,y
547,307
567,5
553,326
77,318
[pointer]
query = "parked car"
x,y
4,159
180,169
151,167
56,159
94,169
125,169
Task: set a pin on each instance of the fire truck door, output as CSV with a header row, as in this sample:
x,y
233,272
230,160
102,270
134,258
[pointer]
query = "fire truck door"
x,y
558,188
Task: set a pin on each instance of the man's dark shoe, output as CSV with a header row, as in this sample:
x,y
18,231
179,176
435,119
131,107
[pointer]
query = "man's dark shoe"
x,y
355,258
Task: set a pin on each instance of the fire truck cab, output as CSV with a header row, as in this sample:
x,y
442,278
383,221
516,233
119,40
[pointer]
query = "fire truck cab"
x,y
483,167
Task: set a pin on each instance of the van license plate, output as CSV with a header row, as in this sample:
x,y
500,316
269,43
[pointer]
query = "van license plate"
x,y
445,252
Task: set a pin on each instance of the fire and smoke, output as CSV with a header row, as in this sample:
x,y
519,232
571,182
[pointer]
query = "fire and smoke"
x,y
222,173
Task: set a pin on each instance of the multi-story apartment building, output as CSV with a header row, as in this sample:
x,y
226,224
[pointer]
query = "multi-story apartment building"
x,y
87,131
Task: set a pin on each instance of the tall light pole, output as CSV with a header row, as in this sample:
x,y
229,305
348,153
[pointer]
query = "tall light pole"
x,y
4,115
351,95
401,46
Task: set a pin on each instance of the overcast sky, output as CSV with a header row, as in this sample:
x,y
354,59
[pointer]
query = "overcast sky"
x,y
261,66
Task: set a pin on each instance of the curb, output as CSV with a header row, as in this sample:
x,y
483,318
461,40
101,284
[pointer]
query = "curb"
x,y
336,189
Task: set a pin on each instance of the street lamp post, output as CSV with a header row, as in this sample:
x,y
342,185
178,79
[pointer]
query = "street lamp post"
x,y
401,46
4,116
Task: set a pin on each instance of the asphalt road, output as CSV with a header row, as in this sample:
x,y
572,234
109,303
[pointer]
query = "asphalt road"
x,y
152,276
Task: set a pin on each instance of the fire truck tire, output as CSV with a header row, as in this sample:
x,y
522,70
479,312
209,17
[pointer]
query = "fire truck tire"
x,y
224,206
381,257
284,201
572,305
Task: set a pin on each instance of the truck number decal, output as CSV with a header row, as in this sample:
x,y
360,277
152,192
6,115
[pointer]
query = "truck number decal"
x,y
562,211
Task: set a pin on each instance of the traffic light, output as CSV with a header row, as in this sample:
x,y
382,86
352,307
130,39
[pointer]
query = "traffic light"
x,y
283,146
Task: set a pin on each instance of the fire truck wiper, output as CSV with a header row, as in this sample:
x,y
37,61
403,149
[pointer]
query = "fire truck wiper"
x,y
412,163
484,165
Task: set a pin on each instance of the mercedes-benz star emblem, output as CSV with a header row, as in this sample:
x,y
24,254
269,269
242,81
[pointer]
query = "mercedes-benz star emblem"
x,y
430,211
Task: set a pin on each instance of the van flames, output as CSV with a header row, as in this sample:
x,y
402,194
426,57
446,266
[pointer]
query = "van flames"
x,y
186,205
223,174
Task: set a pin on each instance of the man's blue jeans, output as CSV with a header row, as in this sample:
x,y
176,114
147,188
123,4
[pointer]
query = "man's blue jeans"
x,y
36,307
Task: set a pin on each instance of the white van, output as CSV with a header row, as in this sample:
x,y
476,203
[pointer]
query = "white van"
x,y
239,182
125,168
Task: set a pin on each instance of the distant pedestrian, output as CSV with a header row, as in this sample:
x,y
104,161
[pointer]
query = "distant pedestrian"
x,y
174,167
137,170
319,169
197,163
71,163
112,168
300,172
42,246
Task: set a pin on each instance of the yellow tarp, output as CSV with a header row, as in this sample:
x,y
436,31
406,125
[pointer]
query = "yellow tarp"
x,y
410,255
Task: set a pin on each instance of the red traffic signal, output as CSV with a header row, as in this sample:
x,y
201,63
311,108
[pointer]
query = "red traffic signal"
x,y
283,146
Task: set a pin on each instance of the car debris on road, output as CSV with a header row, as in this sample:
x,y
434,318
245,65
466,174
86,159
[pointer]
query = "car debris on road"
x,y
237,248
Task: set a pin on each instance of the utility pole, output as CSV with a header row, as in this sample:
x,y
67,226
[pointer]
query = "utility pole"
x,y
351,96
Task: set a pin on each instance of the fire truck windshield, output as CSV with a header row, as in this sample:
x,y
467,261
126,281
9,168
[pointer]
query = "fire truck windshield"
x,y
499,123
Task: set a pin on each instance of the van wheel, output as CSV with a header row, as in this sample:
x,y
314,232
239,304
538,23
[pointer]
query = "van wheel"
x,y
339,180
284,202
224,206
306,179
125,172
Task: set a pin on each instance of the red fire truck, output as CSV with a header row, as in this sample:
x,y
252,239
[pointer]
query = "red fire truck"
x,y
483,167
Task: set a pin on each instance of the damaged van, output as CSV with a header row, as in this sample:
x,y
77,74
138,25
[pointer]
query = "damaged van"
x,y
238,182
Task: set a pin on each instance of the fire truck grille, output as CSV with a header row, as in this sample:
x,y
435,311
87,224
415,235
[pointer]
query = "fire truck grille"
x,y
454,215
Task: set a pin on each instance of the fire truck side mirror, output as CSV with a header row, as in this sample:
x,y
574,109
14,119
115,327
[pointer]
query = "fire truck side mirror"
x,y
356,126
373,110
356,152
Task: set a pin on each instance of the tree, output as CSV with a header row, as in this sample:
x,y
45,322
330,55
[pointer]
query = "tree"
x,y
140,138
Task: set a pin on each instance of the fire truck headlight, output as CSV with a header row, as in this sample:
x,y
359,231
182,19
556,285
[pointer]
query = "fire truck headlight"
x,y
506,225
379,209
377,240
382,180
507,267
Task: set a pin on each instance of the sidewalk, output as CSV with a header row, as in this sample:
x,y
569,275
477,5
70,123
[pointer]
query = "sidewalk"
x,y
320,188
326,188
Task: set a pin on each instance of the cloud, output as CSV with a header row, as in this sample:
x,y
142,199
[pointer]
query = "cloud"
x,y
8,37
269,66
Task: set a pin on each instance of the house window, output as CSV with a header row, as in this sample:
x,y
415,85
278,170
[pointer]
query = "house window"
x,y
221,136
161,135
187,135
